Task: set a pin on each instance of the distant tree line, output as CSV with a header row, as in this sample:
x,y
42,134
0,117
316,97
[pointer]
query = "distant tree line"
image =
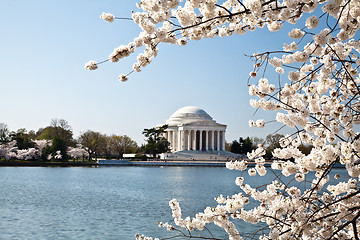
x,y
56,142
272,141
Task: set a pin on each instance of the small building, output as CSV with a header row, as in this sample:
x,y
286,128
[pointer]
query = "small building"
x,y
191,128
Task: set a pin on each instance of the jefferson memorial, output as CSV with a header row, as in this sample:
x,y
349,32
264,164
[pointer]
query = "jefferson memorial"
x,y
191,128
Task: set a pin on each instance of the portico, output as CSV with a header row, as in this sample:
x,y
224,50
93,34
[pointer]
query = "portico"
x,y
191,128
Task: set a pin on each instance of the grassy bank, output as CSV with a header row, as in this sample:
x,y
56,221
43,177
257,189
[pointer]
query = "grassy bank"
x,y
6,163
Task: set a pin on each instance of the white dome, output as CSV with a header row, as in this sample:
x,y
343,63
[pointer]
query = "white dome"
x,y
188,114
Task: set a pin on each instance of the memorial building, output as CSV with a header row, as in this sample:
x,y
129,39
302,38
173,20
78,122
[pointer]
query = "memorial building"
x,y
191,128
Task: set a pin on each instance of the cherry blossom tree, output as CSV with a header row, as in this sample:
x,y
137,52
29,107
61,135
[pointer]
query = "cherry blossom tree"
x,y
315,92
41,144
11,151
77,152
28,154
5,149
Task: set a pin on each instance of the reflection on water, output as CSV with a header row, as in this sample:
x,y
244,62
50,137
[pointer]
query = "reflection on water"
x,y
107,203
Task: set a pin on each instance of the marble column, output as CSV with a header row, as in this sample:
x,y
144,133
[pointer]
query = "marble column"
x,y
173,140
195,140
179,142
206,140
218,141
200,143
223,142
189,140
182,140
212,141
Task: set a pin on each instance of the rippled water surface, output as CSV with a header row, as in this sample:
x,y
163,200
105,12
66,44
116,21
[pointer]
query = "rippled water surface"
x,y
108,202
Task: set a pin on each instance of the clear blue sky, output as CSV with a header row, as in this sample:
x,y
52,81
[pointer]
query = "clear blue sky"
x,y
44,45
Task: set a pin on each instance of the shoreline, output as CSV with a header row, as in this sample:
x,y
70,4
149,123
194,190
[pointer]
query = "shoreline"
x,y
162,163
113,163
46,164
127,163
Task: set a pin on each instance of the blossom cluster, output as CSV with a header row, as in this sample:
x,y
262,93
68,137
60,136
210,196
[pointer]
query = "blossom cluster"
x,y
319,97
10,151
316,93
77,152
177,22
142,237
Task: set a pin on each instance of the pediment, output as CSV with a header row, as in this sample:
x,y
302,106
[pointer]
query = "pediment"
x,y
202,123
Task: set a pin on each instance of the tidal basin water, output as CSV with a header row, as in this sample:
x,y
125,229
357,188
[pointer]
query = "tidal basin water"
x,y
107,202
